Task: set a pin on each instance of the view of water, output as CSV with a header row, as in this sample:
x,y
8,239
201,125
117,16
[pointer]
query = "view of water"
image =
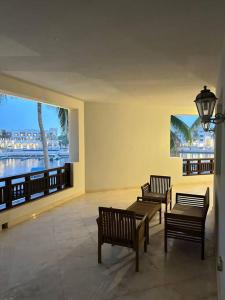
x,y
15,166
196,155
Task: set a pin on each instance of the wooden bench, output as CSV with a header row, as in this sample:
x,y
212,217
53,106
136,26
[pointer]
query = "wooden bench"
x,y
187,219
120,227
158,189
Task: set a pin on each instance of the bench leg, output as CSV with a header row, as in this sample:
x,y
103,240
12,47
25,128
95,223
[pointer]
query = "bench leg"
x,y
99,253
203,247
137,259
145,244
147,230
160,216
165,241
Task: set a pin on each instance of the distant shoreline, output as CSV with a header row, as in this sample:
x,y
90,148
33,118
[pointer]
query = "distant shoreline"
x,y
24,153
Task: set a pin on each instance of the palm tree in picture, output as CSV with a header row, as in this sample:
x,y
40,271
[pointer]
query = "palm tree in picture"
x,y
3,97
42,134
194,128
63,118
64,124
178,129
174,143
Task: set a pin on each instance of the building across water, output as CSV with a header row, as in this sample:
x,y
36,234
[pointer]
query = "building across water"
x,y
28,139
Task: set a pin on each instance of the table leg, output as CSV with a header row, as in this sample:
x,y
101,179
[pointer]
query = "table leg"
x,y
147,229
160,216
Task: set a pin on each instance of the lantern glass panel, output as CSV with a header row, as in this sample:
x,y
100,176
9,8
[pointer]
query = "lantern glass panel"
x,y
199,108
206,126
206,106
212,106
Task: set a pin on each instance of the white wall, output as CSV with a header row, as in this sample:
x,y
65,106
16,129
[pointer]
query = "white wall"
x,y
220,181
76,122
125,143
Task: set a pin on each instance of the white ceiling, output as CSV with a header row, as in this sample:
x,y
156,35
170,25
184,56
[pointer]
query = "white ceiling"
x,y
114,50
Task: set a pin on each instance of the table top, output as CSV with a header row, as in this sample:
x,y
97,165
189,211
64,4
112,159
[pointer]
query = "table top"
x,y
142,208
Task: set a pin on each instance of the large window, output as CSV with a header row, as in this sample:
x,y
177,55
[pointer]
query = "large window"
x,y
188,139
33,136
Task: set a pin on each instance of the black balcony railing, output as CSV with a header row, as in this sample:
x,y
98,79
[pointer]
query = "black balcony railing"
x,y
198,166
23,188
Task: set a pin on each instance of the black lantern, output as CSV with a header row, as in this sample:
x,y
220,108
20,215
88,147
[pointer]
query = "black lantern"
x,y
205,102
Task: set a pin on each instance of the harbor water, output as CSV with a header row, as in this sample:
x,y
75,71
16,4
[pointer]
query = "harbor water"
x,y
15,166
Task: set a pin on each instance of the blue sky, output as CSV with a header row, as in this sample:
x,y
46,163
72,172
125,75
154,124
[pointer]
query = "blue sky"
x,y
187,119
17,113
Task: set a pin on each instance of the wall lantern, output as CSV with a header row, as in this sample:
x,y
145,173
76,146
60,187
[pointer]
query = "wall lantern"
x,y
205,102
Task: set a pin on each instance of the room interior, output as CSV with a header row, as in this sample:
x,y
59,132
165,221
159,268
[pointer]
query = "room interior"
x,y
122,69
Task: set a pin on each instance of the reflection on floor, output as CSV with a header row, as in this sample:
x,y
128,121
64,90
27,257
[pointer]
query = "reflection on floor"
x,y
55,257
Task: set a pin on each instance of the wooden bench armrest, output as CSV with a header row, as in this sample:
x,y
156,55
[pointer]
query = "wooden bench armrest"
x,y
169,195
145,188
206,201
142,221
141,229
140,198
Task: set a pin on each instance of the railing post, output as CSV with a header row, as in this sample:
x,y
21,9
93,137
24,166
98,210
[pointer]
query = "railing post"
x,y
184,168
188,167
8,193
211,166
59,179
27,188
68,174
199,166
46,182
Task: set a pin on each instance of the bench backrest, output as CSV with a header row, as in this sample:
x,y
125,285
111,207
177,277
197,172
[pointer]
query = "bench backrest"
x,y
117,226
193,200
159,184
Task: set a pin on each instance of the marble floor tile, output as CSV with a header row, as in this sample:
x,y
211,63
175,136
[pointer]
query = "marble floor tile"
x,y
54,257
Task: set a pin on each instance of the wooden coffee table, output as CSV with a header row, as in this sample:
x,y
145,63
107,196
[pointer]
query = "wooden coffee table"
x,y
146,208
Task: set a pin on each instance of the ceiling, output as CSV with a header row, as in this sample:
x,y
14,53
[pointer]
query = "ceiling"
x,y
114,50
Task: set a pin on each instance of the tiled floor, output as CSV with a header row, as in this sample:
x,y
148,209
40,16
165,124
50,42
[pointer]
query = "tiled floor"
x,y
55,257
